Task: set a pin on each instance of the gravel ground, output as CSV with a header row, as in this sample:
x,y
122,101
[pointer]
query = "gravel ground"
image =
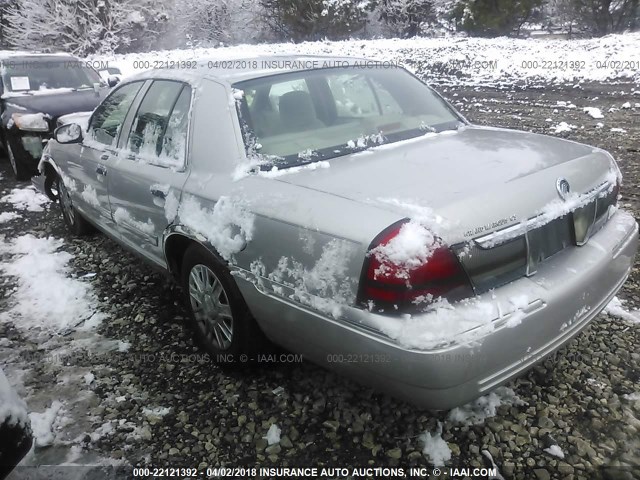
x,y
144,360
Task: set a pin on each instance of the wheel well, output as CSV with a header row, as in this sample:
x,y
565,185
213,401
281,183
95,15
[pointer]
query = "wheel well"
x,y
175,248
50,175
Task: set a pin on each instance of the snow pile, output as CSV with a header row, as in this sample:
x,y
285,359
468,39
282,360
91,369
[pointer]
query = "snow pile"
x,y
467,321
26,199
45,297
413,245
273,435
13,410
615,308
8,216
484,407
593,112
410,248
228,226
276,172
555,450
435,448
156,412
44,424
562,127
462,60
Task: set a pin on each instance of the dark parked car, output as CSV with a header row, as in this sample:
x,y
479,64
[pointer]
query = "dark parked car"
x,y
34,91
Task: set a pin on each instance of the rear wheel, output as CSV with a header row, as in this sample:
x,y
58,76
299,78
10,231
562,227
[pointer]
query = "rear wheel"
x,y
72,219
20,170
220,317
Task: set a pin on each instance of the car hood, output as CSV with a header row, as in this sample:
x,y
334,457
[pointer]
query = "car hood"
x,y
475,176
56,104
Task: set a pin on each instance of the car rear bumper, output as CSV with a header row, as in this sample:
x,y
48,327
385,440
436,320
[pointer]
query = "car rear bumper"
x,y
566,293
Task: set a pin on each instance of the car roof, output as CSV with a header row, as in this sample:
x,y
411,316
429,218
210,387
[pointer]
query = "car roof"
x,y
19,55
232,70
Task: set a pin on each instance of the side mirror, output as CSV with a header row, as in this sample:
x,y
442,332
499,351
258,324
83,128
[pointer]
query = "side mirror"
x,y
112,81
69,133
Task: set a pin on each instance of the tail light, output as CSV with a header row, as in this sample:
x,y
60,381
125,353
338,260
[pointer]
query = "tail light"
x,y
405,286
616,191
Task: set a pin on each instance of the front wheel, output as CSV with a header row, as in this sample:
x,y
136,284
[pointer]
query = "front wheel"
x,y
221,320
72,218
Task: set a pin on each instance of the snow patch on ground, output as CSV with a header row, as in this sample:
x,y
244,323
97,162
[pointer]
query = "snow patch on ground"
x,y
46,297
477,411
13,410
555,450
8,216
616,308
562,127
273,434
435,448
26,199
44,424
593,112
494,60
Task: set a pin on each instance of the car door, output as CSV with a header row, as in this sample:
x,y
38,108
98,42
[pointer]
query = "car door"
x,y
152,167
97,154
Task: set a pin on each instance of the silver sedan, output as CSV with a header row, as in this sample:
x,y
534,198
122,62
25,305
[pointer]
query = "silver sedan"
x,y
342,209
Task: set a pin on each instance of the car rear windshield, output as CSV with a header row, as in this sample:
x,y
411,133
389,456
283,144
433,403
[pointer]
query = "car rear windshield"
x,y
29,75
297,118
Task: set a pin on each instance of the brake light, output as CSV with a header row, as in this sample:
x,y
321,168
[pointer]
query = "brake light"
x,y
616,191
392,282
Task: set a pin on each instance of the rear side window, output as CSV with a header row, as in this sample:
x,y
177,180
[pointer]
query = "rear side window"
x,y
110,114
159,130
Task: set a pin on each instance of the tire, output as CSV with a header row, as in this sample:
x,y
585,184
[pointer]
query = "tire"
x,y
20,170
75,222
220,318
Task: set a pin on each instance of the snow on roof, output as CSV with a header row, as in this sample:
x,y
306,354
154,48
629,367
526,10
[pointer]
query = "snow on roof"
x,y
236,69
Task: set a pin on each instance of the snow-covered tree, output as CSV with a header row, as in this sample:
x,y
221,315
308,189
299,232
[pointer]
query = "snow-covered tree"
x,y
209,22
82,27
602,17
491,18
406,17
300,20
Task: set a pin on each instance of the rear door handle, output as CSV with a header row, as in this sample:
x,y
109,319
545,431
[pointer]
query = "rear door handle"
x,y
101,170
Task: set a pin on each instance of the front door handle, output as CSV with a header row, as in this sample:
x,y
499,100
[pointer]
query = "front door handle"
x,y
158,193
104,157
101,170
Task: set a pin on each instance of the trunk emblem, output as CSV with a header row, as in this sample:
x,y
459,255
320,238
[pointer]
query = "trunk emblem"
x,y
563,187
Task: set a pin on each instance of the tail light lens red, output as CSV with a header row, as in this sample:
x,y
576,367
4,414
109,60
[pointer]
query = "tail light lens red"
x,y
404,287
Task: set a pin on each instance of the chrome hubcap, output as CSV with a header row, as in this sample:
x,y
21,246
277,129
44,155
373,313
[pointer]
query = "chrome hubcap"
x,y
65,202
210,306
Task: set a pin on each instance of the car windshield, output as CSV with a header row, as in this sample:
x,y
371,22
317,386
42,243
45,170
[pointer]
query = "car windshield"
x,y
30,75
297,118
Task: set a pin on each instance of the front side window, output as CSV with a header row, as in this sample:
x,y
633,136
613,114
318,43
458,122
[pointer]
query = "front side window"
x,y
109,116
159,130
298,117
